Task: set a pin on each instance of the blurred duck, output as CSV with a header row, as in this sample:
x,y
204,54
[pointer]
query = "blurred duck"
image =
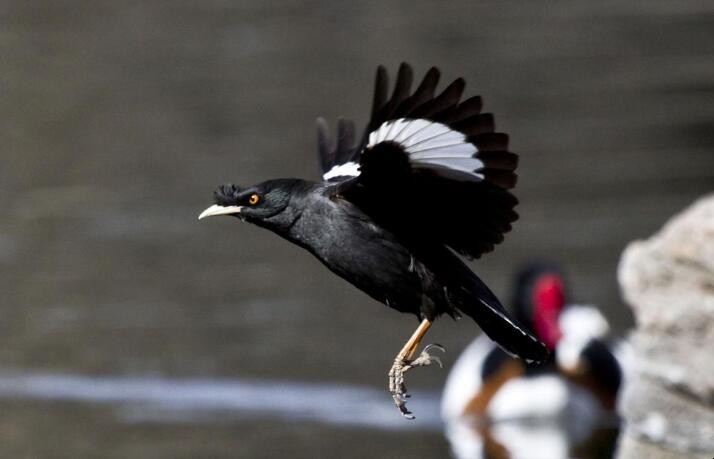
x,y
496,406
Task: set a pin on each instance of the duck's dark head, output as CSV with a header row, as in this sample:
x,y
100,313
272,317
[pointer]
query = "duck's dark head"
x,y
540,297
263,204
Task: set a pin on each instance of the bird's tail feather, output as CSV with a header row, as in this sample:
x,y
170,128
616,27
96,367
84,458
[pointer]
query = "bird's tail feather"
x,y
499,325
508,334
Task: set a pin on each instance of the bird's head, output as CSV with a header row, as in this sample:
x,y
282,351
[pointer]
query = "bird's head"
x,y
540,299
261,204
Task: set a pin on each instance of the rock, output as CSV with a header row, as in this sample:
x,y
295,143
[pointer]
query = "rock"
x,y
668,280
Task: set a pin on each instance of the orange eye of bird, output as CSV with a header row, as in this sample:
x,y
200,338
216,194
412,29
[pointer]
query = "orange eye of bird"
x,y
253,199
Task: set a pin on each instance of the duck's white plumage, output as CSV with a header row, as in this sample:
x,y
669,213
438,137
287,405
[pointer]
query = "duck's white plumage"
x,y
579,324
464,379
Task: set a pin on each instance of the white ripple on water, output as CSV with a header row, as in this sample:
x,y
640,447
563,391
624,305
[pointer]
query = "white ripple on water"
x,y
154,399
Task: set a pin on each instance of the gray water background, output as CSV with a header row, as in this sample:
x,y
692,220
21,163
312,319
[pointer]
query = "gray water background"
x,y
118,119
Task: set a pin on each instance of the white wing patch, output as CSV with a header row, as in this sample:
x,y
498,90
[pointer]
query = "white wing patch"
x,y
428,144
431,145
348,169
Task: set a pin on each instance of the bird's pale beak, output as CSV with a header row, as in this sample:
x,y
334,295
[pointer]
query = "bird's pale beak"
x,y
219,210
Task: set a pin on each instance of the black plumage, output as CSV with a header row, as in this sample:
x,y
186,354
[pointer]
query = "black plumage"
x,y
429,177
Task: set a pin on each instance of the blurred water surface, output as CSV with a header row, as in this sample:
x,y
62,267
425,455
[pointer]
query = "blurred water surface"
x,y
119,118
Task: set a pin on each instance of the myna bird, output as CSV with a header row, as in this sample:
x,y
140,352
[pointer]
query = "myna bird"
x,y
426,184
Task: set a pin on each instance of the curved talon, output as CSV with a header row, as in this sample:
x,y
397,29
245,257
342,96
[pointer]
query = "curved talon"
x,y
438,346
406,413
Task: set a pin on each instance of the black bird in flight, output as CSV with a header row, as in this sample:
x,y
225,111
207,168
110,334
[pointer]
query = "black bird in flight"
x,y
428,180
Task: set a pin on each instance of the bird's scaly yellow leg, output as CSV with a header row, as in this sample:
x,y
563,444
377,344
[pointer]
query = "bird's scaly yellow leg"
x,y
409,349
405,361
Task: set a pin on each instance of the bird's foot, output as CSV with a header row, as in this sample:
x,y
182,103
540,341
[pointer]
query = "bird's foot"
x,y
397,385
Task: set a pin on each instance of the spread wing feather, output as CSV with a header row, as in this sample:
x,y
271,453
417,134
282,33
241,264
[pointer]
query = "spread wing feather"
x,y
428,165
335,156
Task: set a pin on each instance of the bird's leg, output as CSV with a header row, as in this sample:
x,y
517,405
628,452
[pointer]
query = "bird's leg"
x,y
405,361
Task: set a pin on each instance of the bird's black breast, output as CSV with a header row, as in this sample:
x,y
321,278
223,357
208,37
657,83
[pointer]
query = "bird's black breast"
x,y
373,259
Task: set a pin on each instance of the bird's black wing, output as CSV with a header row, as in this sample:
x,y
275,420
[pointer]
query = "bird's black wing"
x,y
335,156
431,167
